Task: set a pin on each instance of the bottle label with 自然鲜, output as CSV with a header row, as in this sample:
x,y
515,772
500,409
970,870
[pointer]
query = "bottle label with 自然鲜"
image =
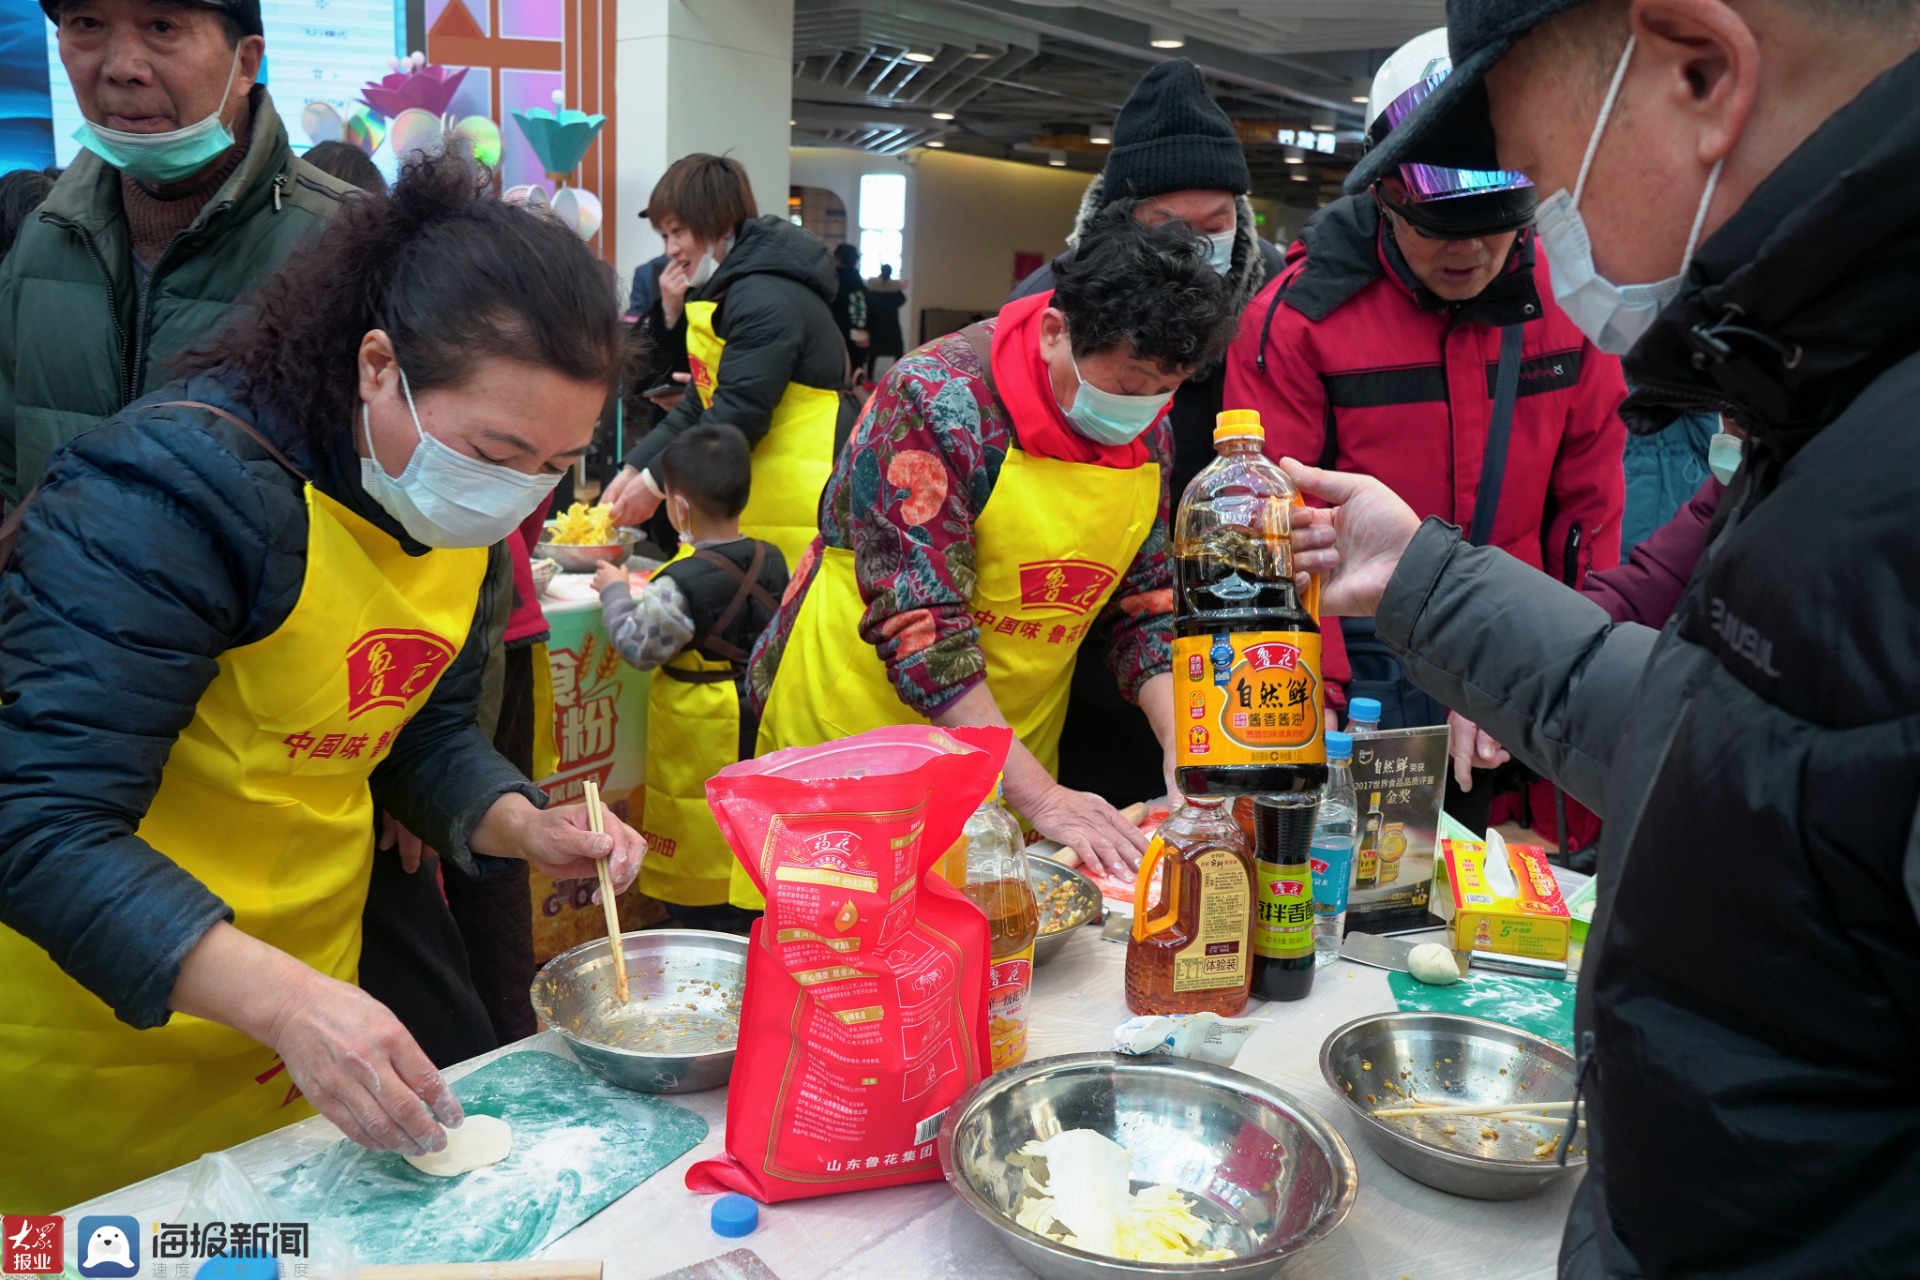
x,y
1284,926
1249,697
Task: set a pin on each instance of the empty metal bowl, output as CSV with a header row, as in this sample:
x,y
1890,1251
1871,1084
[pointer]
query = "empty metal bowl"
x,y
1067,900
1398,1059
679,1027
1270,1175
576,559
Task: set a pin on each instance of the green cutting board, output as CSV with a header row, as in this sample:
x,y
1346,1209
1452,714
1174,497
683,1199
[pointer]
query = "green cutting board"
x,y
579,1144
1538,1005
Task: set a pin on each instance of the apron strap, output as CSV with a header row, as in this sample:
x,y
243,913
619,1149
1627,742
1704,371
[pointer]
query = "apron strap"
x,y
749,587
15,518
697,677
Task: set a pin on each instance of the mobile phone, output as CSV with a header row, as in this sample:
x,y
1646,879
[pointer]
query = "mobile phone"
x,y
662,389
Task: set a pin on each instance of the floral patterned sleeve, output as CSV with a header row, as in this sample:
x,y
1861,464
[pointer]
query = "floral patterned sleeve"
x,y
1139,617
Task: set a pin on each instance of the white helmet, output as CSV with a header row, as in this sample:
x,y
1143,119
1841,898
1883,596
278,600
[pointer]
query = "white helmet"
x,y
1448,204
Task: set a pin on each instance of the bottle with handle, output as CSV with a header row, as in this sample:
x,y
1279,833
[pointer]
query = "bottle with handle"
x,y
1190,949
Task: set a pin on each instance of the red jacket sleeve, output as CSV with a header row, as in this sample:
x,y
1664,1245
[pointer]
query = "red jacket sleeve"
x,y
1292,401
1588,486
1648,586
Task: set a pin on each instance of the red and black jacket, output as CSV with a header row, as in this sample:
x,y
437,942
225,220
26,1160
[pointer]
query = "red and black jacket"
x,y
1354,365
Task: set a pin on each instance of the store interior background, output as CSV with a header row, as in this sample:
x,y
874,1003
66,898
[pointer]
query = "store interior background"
x,y
951,138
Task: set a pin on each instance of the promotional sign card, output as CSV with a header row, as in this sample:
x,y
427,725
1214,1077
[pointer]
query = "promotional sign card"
x,y
1399,780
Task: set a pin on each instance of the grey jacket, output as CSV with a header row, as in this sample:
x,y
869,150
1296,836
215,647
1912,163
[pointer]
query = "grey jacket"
x,y
1749,1008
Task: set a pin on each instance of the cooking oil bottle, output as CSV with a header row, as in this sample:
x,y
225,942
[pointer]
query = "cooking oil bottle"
x,y
1191,948
1246,649
997,882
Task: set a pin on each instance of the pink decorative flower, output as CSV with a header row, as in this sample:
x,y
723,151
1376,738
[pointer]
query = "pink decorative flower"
x,y
924,479
422,86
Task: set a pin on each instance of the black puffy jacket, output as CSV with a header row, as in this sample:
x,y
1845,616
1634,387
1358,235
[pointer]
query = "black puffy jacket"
x,y
1749,1010
159,540
774,291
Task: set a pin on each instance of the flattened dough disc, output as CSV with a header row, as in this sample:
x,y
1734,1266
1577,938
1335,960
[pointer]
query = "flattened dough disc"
x,y
478,1142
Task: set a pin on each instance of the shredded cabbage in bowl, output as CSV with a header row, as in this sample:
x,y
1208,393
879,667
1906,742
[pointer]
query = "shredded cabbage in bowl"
x,y
1094,1211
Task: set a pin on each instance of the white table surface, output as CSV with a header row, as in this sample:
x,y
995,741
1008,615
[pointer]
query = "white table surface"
x,y
1397,1228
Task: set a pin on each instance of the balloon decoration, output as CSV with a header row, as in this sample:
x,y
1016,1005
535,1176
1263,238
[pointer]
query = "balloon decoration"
x,y
407,109
560,138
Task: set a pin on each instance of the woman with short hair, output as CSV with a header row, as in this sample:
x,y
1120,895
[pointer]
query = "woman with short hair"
x,y
765,353
241,613
1003,501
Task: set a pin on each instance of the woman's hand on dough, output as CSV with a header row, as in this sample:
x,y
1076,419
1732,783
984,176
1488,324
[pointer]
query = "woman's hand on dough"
x,y
354,1061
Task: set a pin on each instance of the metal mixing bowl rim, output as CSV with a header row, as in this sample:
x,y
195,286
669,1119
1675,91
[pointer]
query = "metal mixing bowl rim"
x,y
637,1055
1346,1174
1099,907
1460,1159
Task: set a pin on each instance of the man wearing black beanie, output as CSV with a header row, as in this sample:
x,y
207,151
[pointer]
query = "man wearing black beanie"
x,y
1176,153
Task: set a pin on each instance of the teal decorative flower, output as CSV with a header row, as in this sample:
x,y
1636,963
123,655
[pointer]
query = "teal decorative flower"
x,y
559,137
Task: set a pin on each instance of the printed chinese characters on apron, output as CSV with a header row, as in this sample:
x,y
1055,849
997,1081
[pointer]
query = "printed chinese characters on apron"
x,y
264,800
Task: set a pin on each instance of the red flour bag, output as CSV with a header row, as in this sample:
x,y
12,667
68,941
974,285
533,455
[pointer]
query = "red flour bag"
x,y
865,1011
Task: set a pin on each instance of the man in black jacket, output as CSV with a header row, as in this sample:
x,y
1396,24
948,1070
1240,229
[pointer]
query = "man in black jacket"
x,y
1176,155
1749,1013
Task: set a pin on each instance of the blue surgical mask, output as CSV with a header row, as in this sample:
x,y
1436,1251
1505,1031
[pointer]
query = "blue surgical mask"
x,y
445,498
163,157
1612,315
1724,455
1106,417
1220,251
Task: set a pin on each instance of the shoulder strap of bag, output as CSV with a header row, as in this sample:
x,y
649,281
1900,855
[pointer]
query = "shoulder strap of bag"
x,y
10,527
1493,467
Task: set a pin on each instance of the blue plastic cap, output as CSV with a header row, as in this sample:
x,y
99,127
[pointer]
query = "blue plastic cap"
x,y
735,1216
1339,745
1364,709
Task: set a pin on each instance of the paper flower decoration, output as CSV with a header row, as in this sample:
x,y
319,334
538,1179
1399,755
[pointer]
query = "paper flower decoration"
x,y
560,136
413,86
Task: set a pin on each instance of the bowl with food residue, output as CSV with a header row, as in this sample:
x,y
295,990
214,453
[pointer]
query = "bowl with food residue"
x,y
680,1025
1474,1108
1093,1165
1067,900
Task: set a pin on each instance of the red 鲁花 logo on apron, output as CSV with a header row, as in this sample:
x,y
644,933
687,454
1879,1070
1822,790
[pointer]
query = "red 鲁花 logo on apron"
x,y
391,668
703,380
1070,586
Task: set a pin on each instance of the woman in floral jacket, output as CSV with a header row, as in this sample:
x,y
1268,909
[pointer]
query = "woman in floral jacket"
x,y
1004,500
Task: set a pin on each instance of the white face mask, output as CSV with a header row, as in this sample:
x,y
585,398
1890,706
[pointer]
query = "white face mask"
x,y
1614,316
703,270
1724,455
1107,417
1220,251
445,498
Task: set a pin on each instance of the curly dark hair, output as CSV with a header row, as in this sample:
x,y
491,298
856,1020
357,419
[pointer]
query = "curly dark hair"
x,y
453,275
1151,289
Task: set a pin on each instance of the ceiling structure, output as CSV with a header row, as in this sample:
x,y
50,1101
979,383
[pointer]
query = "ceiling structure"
x,y
1040,80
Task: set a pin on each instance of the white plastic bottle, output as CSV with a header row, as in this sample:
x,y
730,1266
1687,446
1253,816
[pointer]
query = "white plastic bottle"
x,y
1334,833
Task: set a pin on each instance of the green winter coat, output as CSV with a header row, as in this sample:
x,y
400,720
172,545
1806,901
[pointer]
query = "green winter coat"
x,y
77,340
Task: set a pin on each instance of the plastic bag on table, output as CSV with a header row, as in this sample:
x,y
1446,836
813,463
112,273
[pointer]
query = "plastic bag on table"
x,y
219,1195
865,1011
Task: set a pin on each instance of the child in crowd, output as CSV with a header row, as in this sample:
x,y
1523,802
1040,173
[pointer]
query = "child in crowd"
x,y
694,624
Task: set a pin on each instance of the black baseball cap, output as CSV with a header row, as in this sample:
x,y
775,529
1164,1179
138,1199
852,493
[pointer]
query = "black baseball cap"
x,y
246,13
1453,128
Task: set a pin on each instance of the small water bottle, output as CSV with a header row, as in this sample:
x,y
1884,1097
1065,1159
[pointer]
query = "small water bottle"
x,y
1363,715
1334,833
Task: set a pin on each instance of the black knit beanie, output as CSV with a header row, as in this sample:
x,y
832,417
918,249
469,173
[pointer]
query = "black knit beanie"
x,y
1170,136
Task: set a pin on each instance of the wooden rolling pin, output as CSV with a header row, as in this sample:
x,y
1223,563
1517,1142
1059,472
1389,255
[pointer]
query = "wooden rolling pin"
x,y
531,1269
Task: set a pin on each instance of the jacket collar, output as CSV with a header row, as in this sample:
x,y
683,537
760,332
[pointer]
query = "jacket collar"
x,y
1805,296
88,194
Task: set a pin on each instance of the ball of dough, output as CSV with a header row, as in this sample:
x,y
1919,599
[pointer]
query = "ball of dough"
x,y
1432,963
478,1142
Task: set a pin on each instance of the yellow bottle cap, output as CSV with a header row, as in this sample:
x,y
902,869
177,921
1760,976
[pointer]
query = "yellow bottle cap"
x,y
1232,423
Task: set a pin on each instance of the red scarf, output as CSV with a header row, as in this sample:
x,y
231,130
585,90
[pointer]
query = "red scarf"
x,y
1020,376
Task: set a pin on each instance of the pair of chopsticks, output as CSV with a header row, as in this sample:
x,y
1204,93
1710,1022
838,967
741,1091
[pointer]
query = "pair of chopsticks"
x,y
1521,1112
596,819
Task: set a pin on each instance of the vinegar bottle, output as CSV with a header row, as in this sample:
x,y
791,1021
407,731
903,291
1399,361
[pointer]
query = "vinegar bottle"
x,y
997,882
1195,955
1246,648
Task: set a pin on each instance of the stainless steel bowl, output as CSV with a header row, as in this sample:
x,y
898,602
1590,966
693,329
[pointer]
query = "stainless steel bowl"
x,y
1080,898
575,559
1271,1176
679,1027
1396,1059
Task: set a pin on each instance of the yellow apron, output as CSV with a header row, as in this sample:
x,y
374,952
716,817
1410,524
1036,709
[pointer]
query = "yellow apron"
x,y
693,732
792,461
1049,549
264,799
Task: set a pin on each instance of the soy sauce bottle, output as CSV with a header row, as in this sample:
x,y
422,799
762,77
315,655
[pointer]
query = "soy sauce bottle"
x,y
1246,649
1283,959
